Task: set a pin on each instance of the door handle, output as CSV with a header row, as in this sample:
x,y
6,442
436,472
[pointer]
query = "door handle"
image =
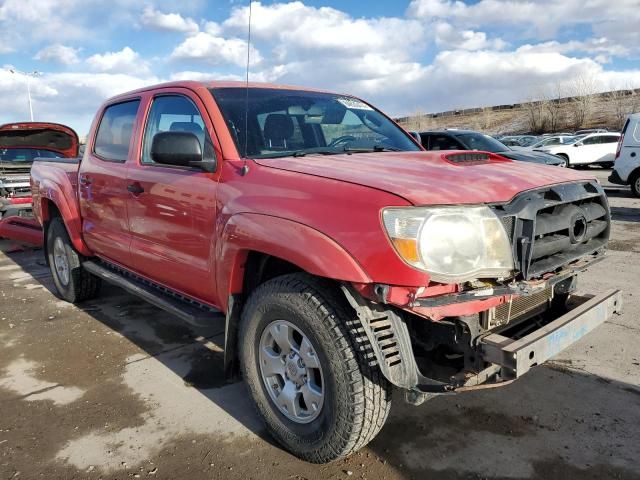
x,y
135,188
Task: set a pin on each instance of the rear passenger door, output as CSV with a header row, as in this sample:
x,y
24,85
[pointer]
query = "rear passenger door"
x,y
102,183
609,147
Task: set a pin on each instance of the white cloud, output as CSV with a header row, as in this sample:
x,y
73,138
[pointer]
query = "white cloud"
x,y
203,76
58,53
124,61
173,22
448,36
215,50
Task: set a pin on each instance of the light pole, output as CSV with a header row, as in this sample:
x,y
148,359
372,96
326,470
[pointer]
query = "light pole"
x,y
29,76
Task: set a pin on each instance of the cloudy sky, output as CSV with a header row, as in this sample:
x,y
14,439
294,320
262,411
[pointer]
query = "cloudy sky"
x,y
418,55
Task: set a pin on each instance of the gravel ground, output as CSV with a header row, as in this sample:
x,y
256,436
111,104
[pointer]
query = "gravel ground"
x,y
117,389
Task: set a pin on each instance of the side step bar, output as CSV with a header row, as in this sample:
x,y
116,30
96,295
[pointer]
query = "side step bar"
x,y
198,316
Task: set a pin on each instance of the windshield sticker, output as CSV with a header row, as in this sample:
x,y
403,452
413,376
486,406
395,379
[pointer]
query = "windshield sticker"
x,y
354,104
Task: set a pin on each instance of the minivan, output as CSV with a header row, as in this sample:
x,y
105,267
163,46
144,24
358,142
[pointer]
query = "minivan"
x,y
626,169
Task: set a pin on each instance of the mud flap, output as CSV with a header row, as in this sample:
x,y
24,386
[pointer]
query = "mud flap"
x,y
389,338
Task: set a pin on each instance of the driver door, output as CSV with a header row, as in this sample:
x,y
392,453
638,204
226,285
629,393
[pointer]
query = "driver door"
x,y
172,210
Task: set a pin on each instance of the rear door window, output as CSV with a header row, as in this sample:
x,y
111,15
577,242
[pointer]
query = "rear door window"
x,y
610,139
114,133
443,142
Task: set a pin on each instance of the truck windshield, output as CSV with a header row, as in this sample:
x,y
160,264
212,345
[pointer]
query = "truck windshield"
x,y
283,123
25,154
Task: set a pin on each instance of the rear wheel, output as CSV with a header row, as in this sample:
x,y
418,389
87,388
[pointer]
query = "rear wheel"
x,y
306,370
73,283
635,183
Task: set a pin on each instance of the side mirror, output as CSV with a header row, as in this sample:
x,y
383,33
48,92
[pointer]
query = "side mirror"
x,y
579,144
180,149
416,137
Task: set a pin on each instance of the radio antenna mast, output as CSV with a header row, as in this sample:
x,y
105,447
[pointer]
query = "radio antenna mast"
x,y
245,167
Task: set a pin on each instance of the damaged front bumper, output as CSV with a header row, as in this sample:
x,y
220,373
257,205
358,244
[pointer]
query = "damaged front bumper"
x,y
517,357
500,355
509,358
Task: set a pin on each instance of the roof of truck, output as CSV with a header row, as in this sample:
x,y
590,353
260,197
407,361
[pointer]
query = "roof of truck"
x,y
192,84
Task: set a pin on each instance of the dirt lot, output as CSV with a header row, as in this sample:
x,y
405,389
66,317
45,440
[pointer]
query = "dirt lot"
x,y
117,389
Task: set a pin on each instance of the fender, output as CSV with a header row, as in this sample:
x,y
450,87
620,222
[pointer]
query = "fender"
x,y
296,243
61,193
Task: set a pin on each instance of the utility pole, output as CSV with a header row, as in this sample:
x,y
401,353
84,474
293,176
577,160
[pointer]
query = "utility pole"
x,y
29,76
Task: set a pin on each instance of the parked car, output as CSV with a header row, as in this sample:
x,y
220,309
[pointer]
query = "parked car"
x,y
552,140
470,140
341,258
20,143
592,149
626,170
519,140
587,131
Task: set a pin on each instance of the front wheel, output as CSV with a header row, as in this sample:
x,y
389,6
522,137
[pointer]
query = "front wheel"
x,y
306,369
565,158
73,283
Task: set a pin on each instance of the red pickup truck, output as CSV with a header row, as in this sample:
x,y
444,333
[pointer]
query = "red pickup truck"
x,y
343,259
20,143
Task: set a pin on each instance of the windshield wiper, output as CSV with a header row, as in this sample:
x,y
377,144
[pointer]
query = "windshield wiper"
x,y
316,151
375,148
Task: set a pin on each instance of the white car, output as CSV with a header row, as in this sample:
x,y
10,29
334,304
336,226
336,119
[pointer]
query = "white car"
x,y
552,140
627,167
592,149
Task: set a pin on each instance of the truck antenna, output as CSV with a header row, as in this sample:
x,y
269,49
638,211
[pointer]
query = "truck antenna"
x,y
245,167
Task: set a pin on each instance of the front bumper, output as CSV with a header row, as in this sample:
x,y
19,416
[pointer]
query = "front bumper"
x,y
517,357
507,359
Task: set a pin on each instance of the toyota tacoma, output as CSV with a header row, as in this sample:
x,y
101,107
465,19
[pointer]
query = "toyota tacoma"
x,y
342,259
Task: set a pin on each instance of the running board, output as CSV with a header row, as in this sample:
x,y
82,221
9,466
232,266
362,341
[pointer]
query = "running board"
x,y
194,314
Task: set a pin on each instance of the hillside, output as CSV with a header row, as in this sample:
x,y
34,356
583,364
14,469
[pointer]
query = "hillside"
x,y
608,109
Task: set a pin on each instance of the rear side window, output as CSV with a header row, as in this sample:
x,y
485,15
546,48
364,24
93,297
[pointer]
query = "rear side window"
x,y
443,142
114,133
610,139
591,141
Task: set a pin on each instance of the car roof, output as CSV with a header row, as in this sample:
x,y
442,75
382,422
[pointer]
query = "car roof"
x,y
192,84
449,131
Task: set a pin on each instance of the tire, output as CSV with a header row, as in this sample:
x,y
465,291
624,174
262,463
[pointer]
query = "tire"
x,y
634,182
73,283
356,398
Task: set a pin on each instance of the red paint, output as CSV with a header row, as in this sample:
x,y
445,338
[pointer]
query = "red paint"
x,y
70,152
21,230
192,231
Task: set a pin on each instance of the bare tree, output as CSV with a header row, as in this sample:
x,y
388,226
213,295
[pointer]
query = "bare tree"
x,y
555,116
488,118
582,90
536,108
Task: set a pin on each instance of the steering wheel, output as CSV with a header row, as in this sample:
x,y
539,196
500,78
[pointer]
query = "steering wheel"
x,y
343,139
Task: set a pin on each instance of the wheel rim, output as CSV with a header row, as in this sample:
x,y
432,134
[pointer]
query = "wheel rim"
x,y
60,261
291,371
637,185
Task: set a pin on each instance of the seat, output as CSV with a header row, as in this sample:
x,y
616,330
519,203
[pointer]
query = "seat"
x,y
278,130
190,127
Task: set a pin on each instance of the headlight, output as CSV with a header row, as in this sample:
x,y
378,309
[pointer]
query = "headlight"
x,y
451,244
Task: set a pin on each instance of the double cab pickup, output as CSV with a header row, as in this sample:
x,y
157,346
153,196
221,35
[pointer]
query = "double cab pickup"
x,y
342,259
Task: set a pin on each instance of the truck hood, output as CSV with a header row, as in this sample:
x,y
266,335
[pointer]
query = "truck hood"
x,y
46,136
428,178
